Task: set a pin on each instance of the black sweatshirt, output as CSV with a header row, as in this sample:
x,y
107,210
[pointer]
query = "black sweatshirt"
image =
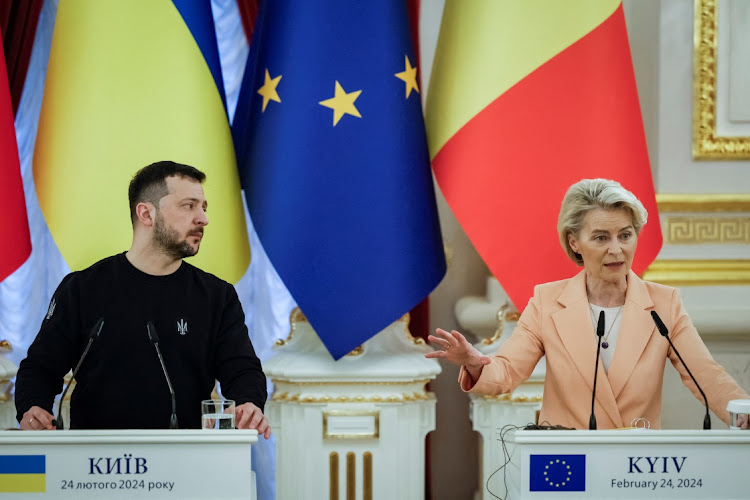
x,y
121,385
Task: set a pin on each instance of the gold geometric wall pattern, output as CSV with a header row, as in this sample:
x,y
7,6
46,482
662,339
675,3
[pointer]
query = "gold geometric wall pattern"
x,y
699,230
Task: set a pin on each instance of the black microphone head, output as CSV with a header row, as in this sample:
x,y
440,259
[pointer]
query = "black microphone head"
x,y
600,325
97,329
152,332
659,324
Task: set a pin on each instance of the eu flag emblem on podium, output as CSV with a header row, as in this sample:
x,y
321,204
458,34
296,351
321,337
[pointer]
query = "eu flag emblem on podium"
x,y
557,473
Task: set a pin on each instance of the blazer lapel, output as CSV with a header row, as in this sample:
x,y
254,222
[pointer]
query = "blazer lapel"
x,y
636,329
573,324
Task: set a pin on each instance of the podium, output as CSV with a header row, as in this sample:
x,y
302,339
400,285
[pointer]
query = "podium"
x,y
627,464
127,464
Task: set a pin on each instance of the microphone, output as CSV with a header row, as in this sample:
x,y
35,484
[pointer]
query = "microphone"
x,y
155,340
665,333
600,334
94,334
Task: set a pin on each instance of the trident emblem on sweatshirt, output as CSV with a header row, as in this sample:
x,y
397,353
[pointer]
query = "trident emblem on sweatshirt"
x,y
51,309
182,327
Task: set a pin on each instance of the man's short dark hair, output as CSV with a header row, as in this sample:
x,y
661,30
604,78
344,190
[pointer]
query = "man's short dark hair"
x,y
149,184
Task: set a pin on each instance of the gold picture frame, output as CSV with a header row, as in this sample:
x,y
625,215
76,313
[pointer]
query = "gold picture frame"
x,y
707,145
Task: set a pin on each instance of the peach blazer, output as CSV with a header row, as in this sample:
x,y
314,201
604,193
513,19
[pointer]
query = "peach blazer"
x,y
557,323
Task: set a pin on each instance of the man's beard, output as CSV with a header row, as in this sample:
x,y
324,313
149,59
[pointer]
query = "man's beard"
x,y
168,240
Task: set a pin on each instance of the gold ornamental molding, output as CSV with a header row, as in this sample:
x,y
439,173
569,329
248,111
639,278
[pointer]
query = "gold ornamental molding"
x,y
399,398
514,399
708,230
699,272
707,145
703,203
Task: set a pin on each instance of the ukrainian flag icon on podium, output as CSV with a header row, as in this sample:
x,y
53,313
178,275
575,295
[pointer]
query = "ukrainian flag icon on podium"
x,y
557,473
23,474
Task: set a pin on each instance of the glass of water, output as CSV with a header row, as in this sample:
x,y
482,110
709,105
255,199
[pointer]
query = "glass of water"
x,y
217,414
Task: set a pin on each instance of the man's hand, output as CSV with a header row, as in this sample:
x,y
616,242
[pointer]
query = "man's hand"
x,y
37,419
249,416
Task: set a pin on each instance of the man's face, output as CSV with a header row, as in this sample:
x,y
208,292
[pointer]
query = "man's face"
x,y
180,218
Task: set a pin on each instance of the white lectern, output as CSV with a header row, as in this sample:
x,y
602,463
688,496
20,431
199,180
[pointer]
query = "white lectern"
x,y
127,464
628,464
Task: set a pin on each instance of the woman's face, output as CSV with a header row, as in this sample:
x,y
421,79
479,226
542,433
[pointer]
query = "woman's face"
x,y
607,243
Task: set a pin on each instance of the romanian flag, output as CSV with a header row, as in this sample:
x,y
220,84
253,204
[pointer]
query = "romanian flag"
x,y
16,245
333,158
22,474
525,99
128,84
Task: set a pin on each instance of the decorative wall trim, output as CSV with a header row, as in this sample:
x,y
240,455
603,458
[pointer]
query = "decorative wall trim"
x,y
699,272
706,144
703,203
708,230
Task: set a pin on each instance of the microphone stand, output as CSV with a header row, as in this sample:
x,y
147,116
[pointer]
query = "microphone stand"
x,y
155,340
665,333
94,334
599,334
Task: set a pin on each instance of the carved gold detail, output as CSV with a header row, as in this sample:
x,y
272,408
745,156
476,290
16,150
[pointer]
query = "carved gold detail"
x,y
500,324
367,476
398,398
708,230
351,476
699,272
703,203
348,382
357,351
415,340
5,387
706,144
333,475
514,399
296,316
5,346
512,316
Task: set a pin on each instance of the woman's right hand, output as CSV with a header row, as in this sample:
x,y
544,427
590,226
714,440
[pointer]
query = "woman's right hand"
x,y
458,351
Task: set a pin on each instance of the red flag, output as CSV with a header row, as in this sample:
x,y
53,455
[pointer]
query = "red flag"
x,y
16,245
525,99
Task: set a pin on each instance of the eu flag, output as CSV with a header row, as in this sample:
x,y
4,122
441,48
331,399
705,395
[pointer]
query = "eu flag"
x,y
333,159
557,473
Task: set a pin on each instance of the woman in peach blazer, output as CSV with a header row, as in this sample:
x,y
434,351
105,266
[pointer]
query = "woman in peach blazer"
x,y
599,224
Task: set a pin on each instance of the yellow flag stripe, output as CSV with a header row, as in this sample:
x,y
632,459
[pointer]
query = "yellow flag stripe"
x,y
22,483
127,86
487,46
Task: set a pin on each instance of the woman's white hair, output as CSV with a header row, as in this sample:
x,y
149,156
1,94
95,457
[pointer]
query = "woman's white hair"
x,y
588,194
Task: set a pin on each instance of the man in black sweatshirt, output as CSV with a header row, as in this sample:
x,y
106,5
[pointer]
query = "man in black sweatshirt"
x,y
198,317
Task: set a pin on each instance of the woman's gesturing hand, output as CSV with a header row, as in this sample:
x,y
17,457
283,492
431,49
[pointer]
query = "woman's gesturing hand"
x,y
458,350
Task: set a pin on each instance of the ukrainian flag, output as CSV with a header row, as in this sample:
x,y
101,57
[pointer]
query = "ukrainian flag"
x,y
128,84
22,474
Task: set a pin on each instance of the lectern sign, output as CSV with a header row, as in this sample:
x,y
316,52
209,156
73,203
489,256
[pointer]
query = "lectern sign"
x,y
128,464
628,464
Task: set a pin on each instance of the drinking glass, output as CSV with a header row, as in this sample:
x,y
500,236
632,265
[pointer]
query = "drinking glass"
x,y
217,414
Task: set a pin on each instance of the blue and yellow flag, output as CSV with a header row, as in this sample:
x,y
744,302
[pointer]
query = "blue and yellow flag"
x,y
333,159
22,474
128,84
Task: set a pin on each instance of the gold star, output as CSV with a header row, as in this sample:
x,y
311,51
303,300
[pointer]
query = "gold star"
x,y
409,75
342,103
268,90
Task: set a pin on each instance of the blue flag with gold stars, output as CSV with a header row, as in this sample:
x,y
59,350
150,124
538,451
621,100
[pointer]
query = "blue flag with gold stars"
x,y
331,147
557,473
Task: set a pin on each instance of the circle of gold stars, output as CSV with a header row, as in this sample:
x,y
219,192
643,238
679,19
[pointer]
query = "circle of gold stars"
x,y
566,468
